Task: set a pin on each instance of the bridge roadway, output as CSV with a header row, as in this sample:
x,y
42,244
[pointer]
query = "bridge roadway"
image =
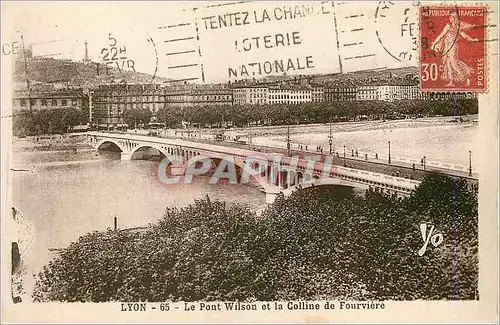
x,y
370,162
282,174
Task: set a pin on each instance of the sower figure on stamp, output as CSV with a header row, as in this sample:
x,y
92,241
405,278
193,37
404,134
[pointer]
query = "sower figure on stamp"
x,y
455,70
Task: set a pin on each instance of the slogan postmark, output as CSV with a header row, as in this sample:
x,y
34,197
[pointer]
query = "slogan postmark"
x,y
453,48
263,39
396,27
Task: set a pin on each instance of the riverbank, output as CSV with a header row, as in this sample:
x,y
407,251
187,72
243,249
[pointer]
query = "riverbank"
x,y
358,126
47,143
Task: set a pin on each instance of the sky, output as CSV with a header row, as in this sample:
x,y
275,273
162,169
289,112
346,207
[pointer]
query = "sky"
x,y
326,43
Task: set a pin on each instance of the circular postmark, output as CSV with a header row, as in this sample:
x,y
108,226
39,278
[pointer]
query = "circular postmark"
x,y
152,42
128,55
396,28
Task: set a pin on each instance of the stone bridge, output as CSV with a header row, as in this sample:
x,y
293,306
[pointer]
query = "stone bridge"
x,y
280,173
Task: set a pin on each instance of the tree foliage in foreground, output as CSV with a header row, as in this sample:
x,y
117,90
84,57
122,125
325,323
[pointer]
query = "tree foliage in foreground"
x,y
317,244
47,121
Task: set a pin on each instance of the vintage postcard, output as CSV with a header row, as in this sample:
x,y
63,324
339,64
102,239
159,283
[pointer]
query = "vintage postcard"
x,y
249,162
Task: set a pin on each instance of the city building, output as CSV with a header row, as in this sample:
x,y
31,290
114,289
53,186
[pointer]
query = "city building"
x,y
250,95
342,93
400,90
367,92
198,95
110,101
317,95
276,94
410,91
388,92
50,99
289,95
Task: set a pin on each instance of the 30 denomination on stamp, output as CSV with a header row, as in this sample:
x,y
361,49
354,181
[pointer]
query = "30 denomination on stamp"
x,y
453,48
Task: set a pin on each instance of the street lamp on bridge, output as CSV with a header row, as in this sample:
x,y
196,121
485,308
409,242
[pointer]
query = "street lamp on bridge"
x,y
423,161
345,164
389,152
470,163
330,140
288,144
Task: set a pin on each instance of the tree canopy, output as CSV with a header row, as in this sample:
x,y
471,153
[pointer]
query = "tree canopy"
x,y
47,121
319,243
313,112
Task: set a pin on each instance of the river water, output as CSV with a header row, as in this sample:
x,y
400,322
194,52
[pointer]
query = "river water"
x,y
65,195
436,138
68,195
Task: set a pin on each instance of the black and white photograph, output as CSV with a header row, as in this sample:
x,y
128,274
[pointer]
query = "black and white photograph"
x,y
250,161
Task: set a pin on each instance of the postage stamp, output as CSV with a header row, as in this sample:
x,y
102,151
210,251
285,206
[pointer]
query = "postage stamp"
x,y
453,48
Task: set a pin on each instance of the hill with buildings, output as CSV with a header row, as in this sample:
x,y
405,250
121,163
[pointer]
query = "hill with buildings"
x,y
369,76
46,72
50,72
360,78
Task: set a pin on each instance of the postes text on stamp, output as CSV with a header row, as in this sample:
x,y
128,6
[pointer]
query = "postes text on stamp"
x,y
452,48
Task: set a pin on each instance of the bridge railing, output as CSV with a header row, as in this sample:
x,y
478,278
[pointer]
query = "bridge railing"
x,y
376,179
369,178
232,150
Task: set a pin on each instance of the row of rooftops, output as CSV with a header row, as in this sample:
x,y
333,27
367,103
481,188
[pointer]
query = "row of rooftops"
x,y
155,87
285,86
53,93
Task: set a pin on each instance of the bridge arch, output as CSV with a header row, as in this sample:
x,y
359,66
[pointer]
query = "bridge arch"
x,y
143,147
106,142
318,181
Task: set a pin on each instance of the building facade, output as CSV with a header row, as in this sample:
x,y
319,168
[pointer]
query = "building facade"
x,y
412,92
289,95
51,99
388,92
400,91
250,95
109,102
340,93
367,93
258,95
198,95
317,95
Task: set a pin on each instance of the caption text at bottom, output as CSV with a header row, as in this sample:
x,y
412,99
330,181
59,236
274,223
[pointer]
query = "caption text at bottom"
x,y
250,306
